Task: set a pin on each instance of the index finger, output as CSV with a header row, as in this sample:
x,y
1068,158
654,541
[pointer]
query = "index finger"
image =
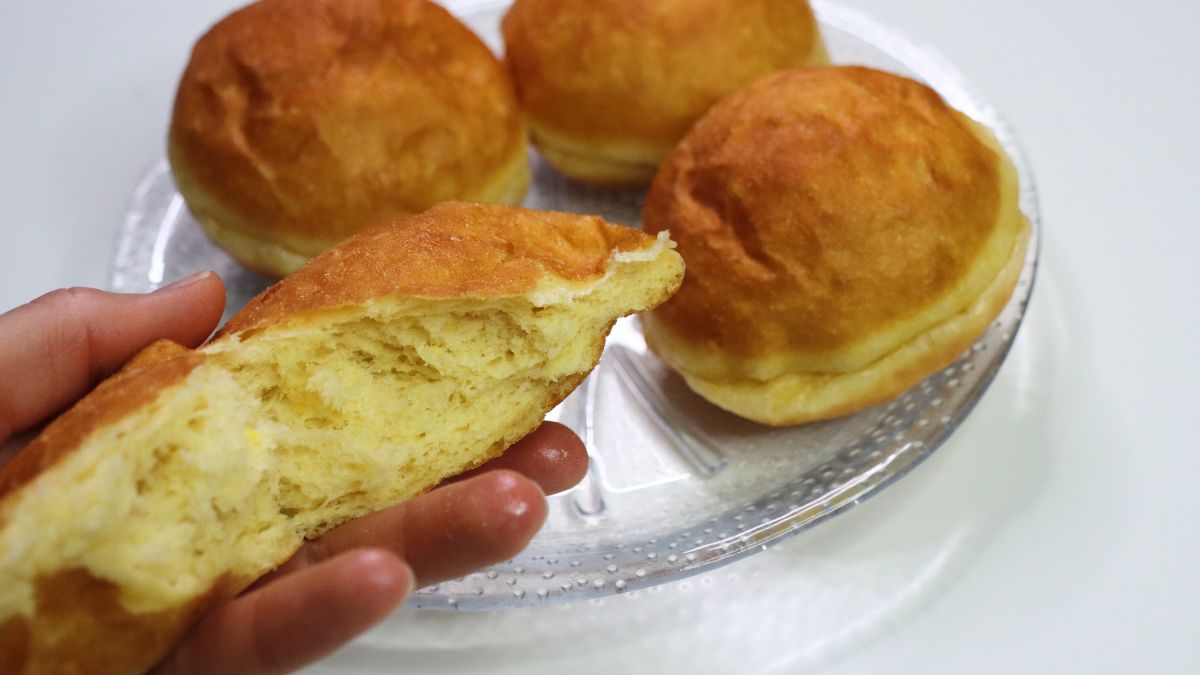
x,y
551,456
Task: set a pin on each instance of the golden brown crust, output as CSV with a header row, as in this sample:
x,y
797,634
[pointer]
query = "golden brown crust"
x,y
615,73
804,397
78,615
820,208
301,122
454,249
830,218
155,368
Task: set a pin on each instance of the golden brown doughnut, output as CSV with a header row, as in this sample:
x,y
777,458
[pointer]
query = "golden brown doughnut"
x,y
610,86
847,234
300,122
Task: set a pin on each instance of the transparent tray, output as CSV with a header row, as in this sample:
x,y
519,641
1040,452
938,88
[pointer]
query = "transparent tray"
x,y
676,485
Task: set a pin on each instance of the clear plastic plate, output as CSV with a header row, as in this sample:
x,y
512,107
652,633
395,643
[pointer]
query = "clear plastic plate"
x,y
677,486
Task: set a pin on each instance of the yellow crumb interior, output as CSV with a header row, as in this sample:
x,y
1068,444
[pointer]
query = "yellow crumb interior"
x,y
376,406
288,431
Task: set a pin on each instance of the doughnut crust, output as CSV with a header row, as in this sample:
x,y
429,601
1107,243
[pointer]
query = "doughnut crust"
x,y
847,234
610,86
300,122
407,354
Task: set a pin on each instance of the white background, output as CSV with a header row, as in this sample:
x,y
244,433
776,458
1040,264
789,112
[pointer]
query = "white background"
x,y
1068,502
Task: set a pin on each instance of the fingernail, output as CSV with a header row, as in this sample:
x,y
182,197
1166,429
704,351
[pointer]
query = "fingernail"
x,y
186,281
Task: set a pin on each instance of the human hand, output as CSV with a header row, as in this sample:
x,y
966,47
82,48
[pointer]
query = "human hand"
x,y
56,348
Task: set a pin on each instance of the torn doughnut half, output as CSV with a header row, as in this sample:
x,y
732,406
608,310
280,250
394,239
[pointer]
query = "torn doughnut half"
x,y
405,355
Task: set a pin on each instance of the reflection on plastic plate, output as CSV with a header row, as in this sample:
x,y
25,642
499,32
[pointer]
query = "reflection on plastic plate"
x,y
676,486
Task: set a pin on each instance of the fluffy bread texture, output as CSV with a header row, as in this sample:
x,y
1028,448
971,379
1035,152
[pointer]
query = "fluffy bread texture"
x,y
847,234
300,122
405,355
610,86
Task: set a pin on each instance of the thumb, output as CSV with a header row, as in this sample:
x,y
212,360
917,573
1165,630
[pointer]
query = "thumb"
x,y
53,349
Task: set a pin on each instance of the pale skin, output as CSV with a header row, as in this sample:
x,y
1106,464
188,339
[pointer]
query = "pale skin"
x,y
56,348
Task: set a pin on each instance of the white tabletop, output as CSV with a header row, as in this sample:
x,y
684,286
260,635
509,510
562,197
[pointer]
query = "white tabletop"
x,y
1056,532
